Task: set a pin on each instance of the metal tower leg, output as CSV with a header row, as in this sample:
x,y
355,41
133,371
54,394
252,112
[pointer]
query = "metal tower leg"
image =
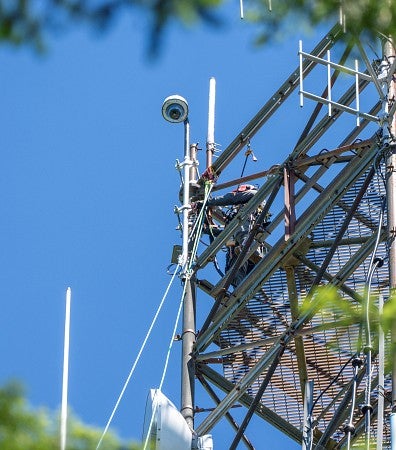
x,y
307,440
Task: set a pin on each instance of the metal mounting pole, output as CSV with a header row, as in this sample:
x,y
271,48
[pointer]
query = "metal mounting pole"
x,y
307,440
187,164
389,56
188,364
188,326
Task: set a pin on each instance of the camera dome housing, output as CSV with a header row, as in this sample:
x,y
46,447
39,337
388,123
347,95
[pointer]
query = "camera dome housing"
x,y
175,109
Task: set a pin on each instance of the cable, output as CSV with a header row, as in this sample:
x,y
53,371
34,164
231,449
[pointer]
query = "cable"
x,y
331,384
367,408
247,154
349,428
375,263
217,267
136,360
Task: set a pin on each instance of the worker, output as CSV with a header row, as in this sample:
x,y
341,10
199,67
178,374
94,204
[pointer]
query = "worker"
x,y
239,196
235,199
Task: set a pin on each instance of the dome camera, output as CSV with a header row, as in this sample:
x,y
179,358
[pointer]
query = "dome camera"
x,y
175,109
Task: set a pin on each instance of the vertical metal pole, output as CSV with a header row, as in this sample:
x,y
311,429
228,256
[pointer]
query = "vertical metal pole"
x,y
301,73
187,163
307,439
389,55
357,92
188,365
381,368
188,325
290,212
329,84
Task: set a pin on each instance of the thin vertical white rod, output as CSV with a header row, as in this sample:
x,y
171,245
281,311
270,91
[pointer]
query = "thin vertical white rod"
x,y
381,380
241,7
210,141
211,112
329,81
63,424
357,93
341,18
301,74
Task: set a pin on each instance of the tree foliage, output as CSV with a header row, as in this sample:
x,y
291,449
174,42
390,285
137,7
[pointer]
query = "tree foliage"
x,y
356,16
28,22
23,428
327,301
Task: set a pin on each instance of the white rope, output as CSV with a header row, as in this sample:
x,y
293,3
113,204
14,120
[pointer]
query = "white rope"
x,y
166,364
198,223
172,339
137,359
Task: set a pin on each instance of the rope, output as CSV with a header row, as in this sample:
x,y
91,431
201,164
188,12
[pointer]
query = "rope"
x,y
199,224
166,363
201,212
136,360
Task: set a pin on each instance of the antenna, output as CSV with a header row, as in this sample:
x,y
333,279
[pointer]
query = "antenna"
x,y
63,425
329,101
210,142
165,428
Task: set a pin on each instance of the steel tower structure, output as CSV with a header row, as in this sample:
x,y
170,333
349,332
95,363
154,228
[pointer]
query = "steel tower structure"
x,y
271,343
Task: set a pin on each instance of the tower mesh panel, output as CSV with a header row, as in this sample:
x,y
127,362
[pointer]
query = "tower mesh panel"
x,y
328,353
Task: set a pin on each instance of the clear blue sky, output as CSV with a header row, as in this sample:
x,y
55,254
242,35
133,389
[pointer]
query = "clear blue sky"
x,y
88,186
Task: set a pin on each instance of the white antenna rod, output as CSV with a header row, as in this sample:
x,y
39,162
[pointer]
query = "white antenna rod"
x,y
63,423
241,7
210,142
211,114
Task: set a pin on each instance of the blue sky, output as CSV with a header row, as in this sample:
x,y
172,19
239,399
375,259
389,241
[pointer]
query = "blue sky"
x,y
88,187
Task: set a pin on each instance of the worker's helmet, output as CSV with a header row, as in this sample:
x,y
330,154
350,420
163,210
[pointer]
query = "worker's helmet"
x,y
245,187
